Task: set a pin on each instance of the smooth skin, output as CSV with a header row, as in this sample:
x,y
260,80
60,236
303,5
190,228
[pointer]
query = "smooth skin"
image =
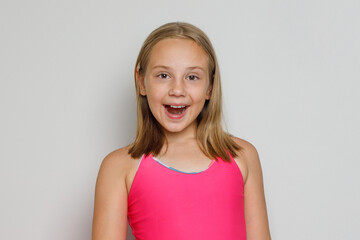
x,y
182,78
177,74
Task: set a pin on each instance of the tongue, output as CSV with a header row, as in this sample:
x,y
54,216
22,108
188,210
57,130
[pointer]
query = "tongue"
x,y
175,110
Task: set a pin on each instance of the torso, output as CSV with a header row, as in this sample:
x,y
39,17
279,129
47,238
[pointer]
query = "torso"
x,y
194,163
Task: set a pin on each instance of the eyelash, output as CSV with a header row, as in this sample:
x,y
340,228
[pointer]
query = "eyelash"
x,y
161,74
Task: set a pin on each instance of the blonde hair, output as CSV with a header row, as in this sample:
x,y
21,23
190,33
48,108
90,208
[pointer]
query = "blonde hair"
x,y
211,138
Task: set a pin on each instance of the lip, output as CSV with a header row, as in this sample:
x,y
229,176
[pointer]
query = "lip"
x,y
176,116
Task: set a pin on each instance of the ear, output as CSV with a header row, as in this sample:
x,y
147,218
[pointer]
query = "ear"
x,y
208,92
140,80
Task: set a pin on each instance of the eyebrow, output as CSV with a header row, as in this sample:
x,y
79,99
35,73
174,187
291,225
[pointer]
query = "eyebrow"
x,y
189,68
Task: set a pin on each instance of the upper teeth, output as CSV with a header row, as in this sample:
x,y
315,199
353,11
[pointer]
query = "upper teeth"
x,y
176,106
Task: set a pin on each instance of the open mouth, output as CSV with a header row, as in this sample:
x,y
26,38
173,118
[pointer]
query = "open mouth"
x,y
176,110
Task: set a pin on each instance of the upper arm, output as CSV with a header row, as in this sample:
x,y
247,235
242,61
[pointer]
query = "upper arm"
x,y
110,206
256,219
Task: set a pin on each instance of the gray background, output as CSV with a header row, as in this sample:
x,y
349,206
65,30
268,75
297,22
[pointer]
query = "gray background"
x,y
290,72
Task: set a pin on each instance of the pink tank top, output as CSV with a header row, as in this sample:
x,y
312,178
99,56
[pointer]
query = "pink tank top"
x,y
165,203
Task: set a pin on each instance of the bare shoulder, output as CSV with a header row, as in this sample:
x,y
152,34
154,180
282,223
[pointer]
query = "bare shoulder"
x,y
257,226
118,162
118,156
111,196
248,149
248,157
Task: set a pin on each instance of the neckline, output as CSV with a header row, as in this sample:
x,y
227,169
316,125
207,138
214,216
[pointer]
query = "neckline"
x,y
176,170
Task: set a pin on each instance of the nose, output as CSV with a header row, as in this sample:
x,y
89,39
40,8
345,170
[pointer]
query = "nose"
x,y
177,88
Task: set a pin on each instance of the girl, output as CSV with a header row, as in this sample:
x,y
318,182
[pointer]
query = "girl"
x,y
183,177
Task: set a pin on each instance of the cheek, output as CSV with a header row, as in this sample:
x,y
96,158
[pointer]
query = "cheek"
x,y
199,94
154,99
154,86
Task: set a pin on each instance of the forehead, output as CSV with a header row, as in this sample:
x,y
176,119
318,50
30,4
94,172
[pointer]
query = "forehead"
x,y
178,53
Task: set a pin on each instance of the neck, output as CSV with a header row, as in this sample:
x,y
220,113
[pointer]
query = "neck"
x,y
177,137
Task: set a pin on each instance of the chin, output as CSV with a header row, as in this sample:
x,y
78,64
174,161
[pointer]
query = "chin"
x,y
174,130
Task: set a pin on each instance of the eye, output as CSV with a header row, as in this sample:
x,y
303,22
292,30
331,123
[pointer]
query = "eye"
x,y
193,77
163,75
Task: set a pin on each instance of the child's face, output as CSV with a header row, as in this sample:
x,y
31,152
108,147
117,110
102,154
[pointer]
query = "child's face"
x,y
176,83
